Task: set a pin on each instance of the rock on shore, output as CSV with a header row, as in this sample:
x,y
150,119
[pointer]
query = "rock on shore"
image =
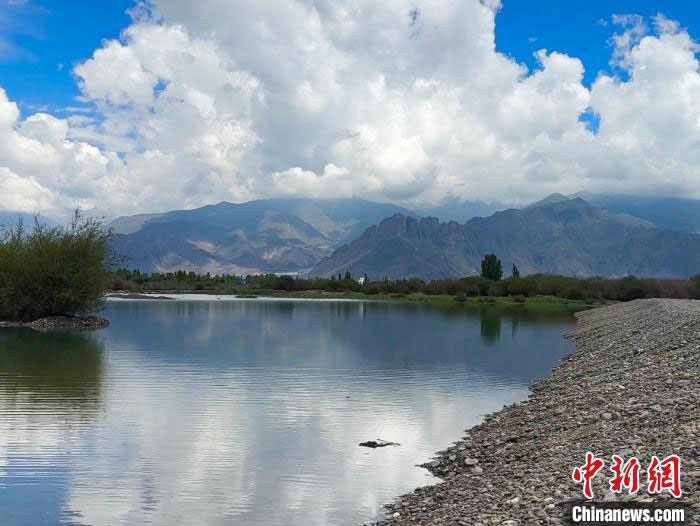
x,y
631,388
378,443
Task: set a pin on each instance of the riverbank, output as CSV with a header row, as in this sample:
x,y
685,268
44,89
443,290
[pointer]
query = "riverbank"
x,y
631,388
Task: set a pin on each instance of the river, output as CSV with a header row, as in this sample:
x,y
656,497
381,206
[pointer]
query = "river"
x,y
249,412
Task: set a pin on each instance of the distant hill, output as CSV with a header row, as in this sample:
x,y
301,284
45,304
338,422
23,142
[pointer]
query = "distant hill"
x,y
673,213
621,216
553,198
569,237
665,212
270,235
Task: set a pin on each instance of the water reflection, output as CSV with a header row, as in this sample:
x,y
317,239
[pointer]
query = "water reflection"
x,y
49,400
490,326
62,369
250,412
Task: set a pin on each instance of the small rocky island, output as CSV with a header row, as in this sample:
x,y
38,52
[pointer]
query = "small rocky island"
x,y
631,388
54,277
53,323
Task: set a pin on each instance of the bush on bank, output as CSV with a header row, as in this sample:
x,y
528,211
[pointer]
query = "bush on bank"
x,y
54,271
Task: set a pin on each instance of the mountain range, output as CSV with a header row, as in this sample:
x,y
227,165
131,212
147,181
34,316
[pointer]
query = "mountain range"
x,y
672,213
559,236
580,234
270,235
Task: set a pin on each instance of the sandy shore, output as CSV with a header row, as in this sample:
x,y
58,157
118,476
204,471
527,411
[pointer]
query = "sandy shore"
x,y
632,387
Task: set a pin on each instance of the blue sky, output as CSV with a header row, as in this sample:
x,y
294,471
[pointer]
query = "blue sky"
x,y
50,36
578,28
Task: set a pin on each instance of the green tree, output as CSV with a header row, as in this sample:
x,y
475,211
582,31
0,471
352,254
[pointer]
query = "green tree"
x,y
516,272
491,267
52,271
285,282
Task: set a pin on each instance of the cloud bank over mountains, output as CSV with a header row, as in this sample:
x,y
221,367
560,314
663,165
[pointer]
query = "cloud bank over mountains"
x,y
399,100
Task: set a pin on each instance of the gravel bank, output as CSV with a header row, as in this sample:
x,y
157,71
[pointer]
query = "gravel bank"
x,y
632,387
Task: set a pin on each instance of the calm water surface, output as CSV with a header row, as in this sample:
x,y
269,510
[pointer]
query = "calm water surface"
x,y
250,411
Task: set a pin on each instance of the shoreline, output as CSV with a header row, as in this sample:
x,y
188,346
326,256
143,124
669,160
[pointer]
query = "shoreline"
x,y
630,388
443,300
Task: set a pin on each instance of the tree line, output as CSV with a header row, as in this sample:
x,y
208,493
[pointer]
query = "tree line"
x,y
490,284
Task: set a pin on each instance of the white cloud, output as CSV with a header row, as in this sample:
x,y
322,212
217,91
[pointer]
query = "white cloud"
x,y
397,100
22,193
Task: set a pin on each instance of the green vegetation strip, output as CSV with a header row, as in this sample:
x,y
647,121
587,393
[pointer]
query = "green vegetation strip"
x,y
538,289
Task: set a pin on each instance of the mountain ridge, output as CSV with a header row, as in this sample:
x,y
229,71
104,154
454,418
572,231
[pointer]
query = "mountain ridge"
x,y
267,235
569,237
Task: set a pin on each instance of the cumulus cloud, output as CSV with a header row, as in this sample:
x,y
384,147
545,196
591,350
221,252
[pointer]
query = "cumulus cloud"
x,y
199,102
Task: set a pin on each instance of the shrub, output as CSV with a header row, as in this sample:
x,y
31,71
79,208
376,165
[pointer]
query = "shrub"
x,y
519,299
495,290
694,288
553,285
285,282
472,291
484,286
695,280
629,288
51,271
574,293
521,287
460,297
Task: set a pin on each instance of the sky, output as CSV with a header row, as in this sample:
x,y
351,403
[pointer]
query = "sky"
x,y
124,107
